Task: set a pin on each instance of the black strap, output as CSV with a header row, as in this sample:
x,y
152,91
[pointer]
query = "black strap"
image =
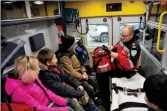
x,y
4,93
129,105
96,65
6,100
116,88
157,13
46,94
106,48
34,109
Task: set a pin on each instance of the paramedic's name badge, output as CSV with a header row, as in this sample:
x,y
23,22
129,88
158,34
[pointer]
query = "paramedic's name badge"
x,y
133,52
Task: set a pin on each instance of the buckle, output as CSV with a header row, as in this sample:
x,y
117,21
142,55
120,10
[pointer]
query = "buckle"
x,y
125,89
134,94
129,90
139,89
114,86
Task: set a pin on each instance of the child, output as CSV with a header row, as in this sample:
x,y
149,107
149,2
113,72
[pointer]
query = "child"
x,y
155,88
70,63
57,80
25,87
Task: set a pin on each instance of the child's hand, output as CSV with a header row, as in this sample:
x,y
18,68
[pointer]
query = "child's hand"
x,y
80,88
85,99
86,76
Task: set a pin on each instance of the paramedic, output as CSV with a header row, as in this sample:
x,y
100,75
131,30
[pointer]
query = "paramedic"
x,y
155,88
125,54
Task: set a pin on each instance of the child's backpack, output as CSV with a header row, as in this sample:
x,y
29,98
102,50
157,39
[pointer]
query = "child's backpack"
x,y
102,59
81,53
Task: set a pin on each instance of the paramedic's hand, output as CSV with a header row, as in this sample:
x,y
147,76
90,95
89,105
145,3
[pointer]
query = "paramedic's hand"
x,y
110,48
80,88
86,76
114,55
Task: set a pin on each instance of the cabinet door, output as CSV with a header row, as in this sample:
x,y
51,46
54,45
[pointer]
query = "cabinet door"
x,y
156,12
44,8
13,10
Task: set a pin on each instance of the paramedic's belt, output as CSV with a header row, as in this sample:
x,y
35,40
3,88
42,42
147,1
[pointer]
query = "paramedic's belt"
x,y
116,88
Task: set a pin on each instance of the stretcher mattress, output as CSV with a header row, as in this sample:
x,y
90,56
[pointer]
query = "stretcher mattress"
x,y
121,98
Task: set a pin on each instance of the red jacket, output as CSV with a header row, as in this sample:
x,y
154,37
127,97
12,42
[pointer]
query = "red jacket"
x,y
128,55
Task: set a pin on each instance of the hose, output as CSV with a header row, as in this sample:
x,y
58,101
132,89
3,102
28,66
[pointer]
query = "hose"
x,y
78,23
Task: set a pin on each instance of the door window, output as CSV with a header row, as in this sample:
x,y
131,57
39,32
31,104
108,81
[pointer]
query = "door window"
x,y
97,35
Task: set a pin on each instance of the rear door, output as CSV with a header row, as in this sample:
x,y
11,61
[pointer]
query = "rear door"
x,y
100,33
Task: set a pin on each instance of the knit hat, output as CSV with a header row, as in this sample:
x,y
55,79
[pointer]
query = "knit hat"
x,y
68,42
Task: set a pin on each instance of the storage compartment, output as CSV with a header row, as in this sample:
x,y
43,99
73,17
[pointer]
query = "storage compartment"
x,y
37,42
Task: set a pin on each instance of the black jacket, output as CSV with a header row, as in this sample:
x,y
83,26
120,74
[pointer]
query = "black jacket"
x,y
54,81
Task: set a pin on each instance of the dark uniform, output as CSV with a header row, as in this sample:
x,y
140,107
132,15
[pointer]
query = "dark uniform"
x,y
124,66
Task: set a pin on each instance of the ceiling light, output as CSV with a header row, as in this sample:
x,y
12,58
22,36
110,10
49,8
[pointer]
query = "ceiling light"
x,y
38,2
8,2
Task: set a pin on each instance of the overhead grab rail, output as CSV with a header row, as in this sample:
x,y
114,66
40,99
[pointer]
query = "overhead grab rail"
x,y
159,33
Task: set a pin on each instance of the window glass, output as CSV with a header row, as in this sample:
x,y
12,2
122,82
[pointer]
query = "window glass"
x,y
139,34
156,12
151,40
13,10
97,35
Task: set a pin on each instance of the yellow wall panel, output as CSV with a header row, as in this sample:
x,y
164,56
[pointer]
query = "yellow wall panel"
x,y
98,8
19,13
51,7
42,10
162,9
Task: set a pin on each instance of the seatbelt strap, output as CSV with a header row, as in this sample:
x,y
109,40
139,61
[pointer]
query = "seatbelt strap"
x,y
129,105
46,94
6,100
116,88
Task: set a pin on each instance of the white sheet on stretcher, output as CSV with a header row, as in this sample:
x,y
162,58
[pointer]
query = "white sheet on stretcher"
x,y
134,82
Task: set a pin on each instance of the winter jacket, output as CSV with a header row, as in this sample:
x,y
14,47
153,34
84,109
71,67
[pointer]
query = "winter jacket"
x,y
71,64
55,79
32,95
128,55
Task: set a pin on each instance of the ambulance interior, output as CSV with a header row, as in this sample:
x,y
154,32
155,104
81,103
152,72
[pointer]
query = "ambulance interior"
x,y
28,26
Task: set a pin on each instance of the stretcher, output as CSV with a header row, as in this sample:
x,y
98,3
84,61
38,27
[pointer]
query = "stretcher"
x,y
127,94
